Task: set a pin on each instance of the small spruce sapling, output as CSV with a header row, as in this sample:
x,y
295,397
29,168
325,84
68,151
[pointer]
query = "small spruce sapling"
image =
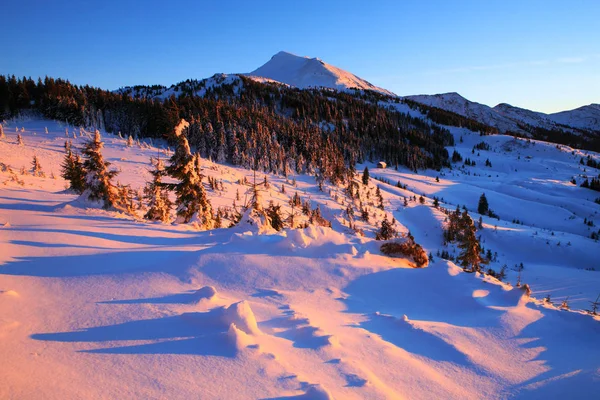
x,y
483,206
386,231
72,170
159,205
365,176
98,178
36,168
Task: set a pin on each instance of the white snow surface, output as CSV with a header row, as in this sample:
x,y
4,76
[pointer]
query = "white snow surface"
x,y
97,304
306,72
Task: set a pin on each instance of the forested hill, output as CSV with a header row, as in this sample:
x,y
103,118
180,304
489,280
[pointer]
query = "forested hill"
x,y
555,132
235,119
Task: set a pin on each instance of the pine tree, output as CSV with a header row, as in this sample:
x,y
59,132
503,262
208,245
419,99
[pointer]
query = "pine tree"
x,y
125,198
364,214
72,170
483,207
470,255
275,218
379,198
98,185
159,205
191,199
365,176
36,168
19,140
386,231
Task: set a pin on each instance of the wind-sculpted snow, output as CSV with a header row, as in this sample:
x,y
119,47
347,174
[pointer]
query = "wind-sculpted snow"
x,y
102,304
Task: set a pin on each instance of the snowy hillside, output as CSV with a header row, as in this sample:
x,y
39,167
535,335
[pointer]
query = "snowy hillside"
x,y
524,116
586,117
100,304
509,118
189,87
306,72
455,103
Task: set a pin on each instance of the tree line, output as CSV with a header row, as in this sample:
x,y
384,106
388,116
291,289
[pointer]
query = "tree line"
x,y
269,127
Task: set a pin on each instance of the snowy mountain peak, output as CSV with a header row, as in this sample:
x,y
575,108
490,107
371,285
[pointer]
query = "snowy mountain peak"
x,y
306,72
452,95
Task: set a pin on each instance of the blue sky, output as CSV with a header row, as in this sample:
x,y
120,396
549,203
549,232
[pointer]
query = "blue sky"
x,y
542,55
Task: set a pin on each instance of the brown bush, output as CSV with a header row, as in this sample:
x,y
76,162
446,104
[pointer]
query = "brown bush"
x,y
406,248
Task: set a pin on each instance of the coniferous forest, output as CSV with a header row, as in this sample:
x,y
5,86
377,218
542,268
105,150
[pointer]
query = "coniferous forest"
x,y
269,127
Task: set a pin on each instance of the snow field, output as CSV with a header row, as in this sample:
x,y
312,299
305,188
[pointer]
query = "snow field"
x,y
91,299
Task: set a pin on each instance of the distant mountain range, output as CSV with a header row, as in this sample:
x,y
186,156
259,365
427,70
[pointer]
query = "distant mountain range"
x,y
305,72
509,118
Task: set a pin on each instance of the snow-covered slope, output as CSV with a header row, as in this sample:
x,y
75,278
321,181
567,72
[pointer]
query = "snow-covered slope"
x,y
97,304
586,117
455,103
524,116
306,72
509,118
189,87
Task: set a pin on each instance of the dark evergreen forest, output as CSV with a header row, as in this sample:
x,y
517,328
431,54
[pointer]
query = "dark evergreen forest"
x,y
265,126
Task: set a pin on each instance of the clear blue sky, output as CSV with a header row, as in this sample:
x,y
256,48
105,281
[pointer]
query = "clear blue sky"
x,y
542,55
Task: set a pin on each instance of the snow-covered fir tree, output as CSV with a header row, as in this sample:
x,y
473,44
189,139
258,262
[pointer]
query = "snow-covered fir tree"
x,y
159,205
470,256
19,140
72,169
387,230
191,199
98,185
2,136
125,199
129,141
36,168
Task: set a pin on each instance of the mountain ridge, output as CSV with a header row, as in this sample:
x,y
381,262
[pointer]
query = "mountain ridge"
x,y
509,118
312,72
306,72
